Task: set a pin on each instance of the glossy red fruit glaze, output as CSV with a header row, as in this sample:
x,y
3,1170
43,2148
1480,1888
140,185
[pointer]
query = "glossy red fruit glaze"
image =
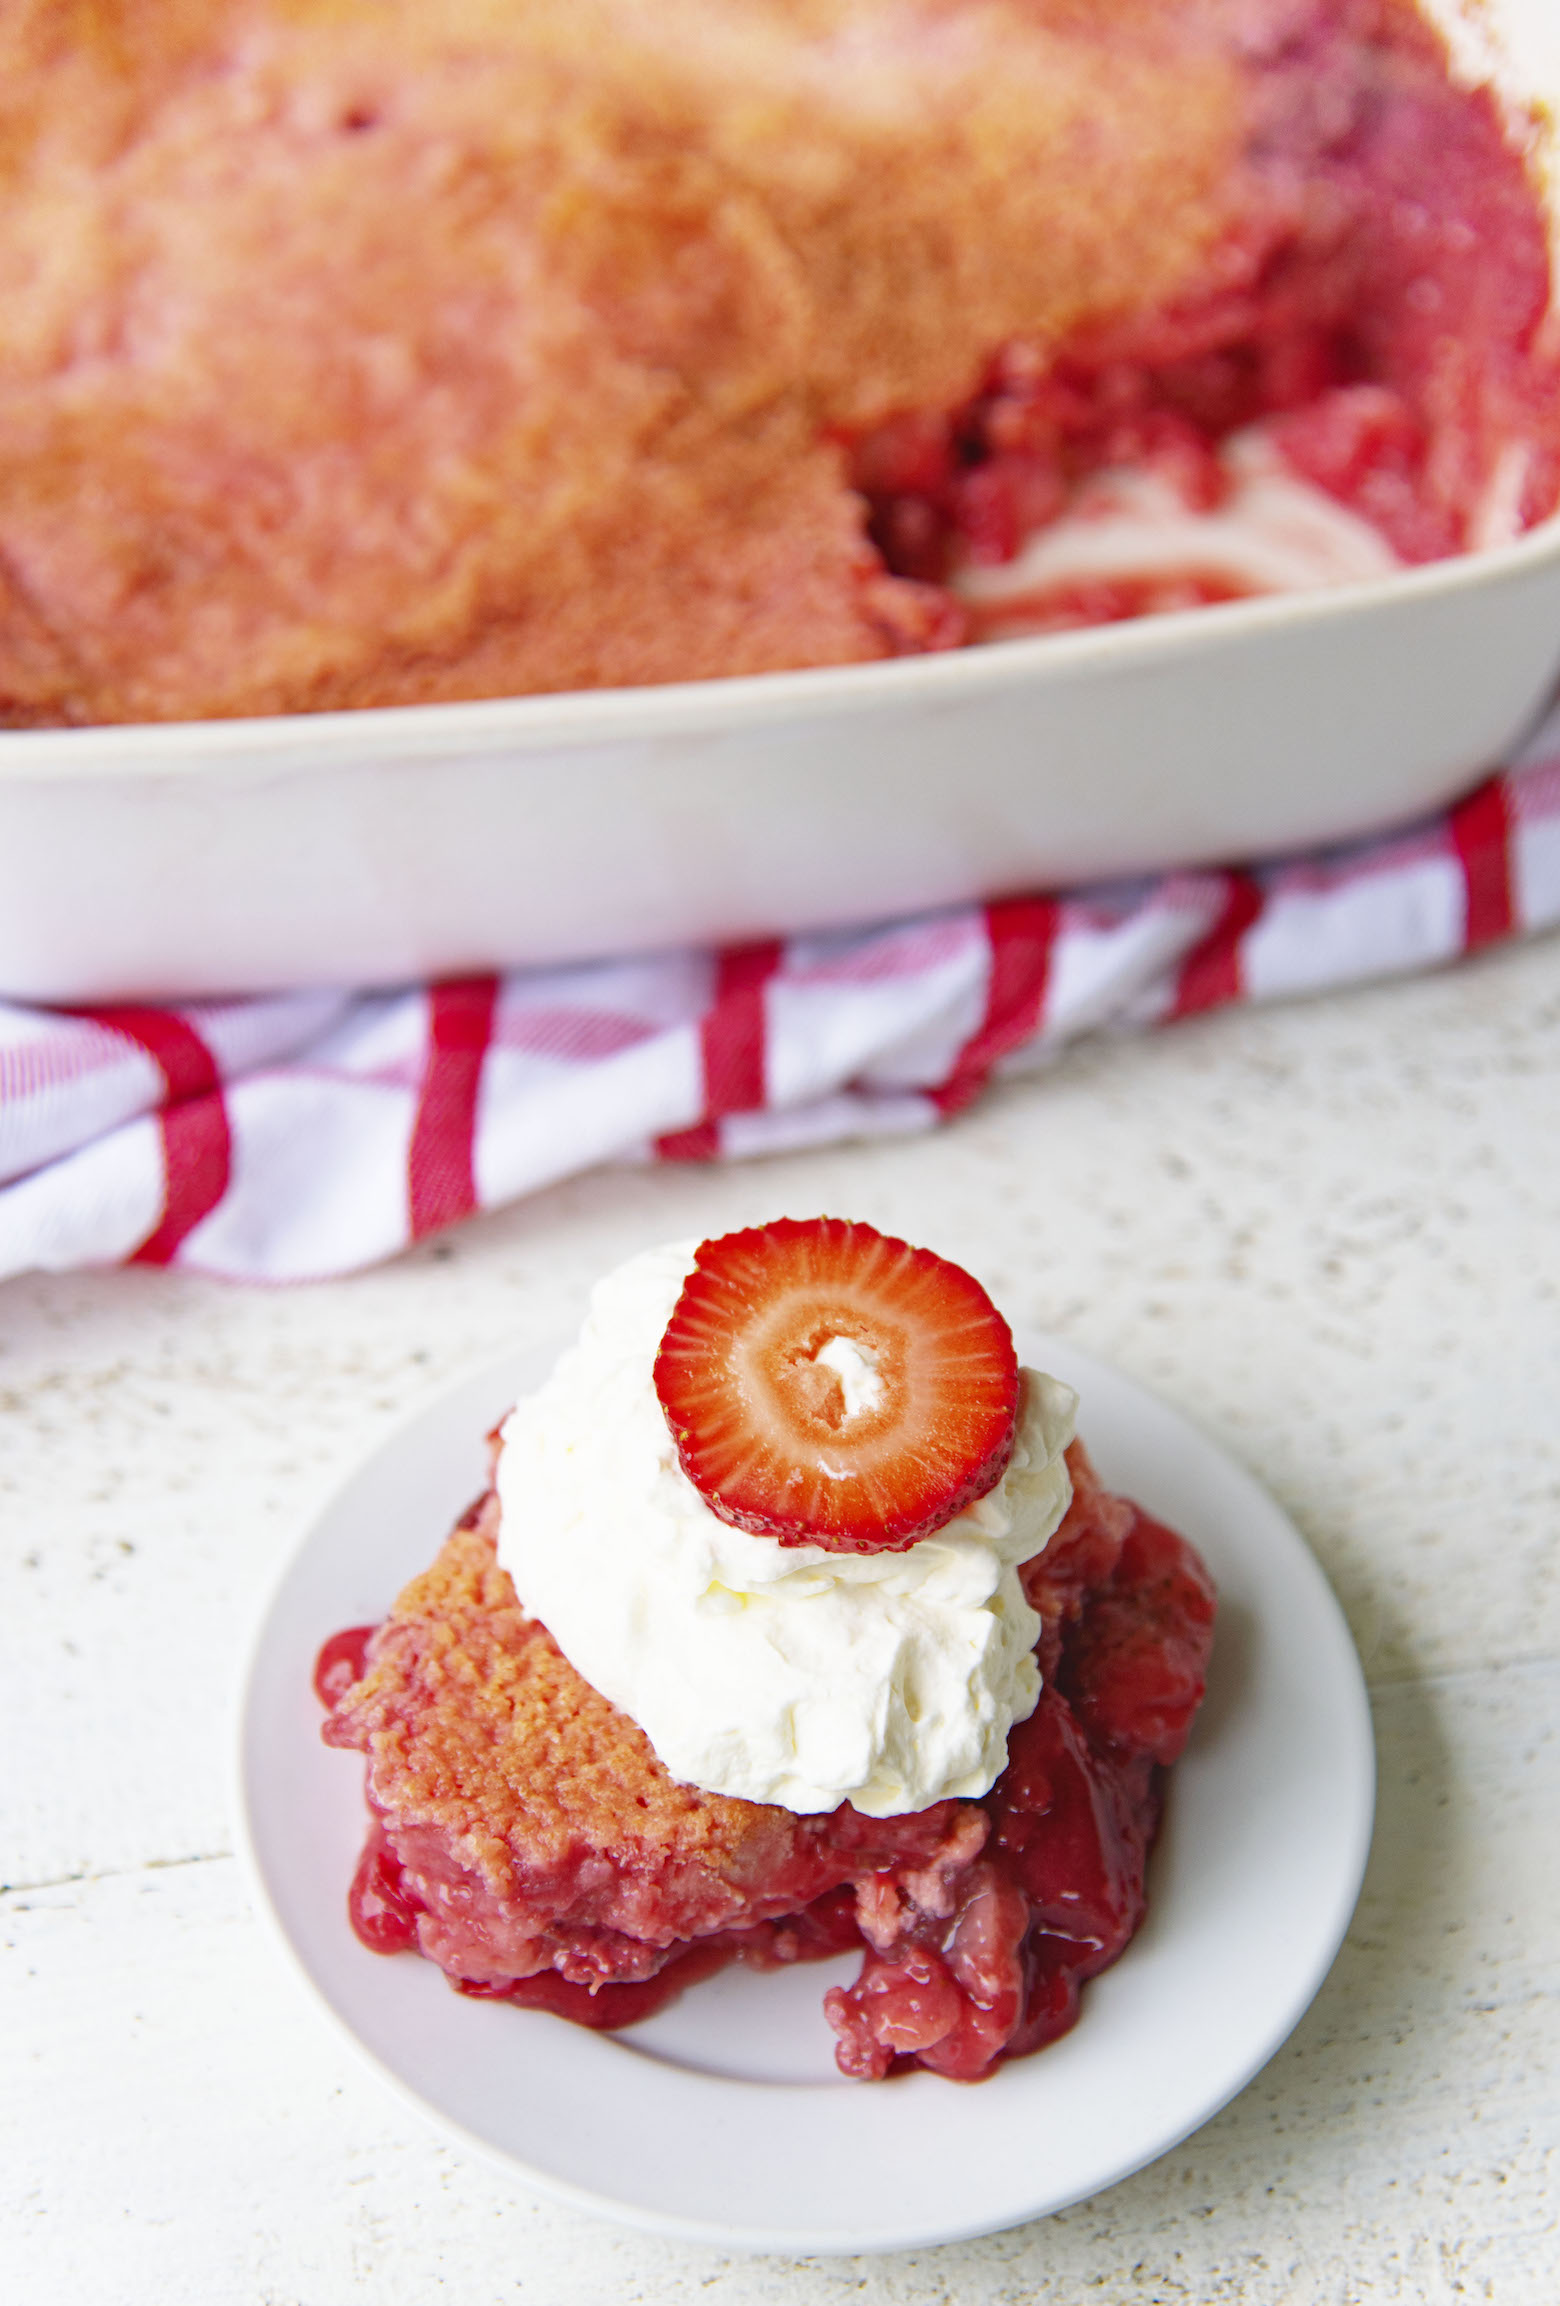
x,y
764,1426
1133,1672
605,2008
341,1662
825,1928
383,1914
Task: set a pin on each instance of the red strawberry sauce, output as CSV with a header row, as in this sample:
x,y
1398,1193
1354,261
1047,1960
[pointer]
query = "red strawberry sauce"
x,y
1380,314
979,1923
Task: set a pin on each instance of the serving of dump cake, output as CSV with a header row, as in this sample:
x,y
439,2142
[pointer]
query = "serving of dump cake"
x,y
366,352
654,1709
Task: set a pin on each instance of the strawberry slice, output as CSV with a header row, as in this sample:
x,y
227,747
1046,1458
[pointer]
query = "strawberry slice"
x,y
827,1385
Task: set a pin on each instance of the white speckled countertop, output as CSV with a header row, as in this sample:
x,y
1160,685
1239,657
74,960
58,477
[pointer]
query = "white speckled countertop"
x,y
1330,1233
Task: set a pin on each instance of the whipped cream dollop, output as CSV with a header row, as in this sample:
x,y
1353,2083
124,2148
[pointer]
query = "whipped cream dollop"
x,y
784,1674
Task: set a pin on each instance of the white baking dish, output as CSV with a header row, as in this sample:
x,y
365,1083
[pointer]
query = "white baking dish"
x,y
371,847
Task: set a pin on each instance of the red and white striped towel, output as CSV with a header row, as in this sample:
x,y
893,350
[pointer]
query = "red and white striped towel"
x,y
302,1135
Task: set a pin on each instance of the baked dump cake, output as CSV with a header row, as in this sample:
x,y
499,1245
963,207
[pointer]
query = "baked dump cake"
x,y
796,1622
367,352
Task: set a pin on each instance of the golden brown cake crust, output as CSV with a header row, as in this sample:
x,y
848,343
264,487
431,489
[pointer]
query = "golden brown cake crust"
x,y
475,1723
370,351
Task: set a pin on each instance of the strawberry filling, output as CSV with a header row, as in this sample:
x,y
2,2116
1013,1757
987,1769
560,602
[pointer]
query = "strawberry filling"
x,y
1378,318
978,1922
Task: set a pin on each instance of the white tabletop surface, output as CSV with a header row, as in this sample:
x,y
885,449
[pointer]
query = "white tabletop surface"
x,y
1328,1233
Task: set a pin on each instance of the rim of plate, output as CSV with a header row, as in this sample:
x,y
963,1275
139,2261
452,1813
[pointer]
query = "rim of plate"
x,y
1247,1909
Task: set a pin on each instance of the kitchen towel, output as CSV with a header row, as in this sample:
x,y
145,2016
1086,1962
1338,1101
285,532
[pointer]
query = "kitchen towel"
x,y
291,1137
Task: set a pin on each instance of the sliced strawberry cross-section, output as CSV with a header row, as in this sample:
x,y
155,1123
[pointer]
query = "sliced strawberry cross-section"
x,y
828,1385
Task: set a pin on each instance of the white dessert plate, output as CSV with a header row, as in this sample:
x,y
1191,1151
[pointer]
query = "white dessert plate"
x,y
723,2119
